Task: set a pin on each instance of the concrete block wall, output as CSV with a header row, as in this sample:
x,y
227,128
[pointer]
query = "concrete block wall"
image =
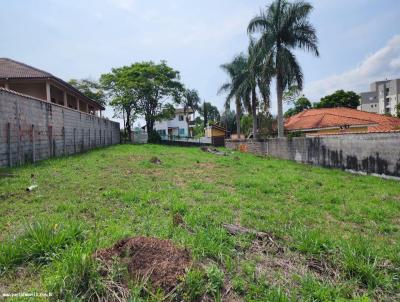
x,y
33,130
377,153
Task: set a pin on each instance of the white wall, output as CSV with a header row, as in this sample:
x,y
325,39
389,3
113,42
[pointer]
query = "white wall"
x,y
173,123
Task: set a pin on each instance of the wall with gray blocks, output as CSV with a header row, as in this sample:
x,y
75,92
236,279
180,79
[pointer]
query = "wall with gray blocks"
x,y
375,153
33,130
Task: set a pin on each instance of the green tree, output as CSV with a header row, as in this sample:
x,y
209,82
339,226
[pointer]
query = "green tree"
x,y
340,98
90,88
190,100
123,98
283,27
255,82
209,113
300,104
246,124
150,87
228,120
398,110
234,70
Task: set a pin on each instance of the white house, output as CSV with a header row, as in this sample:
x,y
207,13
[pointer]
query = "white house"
x,y
177,126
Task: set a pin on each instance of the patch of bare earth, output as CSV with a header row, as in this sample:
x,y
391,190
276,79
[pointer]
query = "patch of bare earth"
x,y
156,260
281,266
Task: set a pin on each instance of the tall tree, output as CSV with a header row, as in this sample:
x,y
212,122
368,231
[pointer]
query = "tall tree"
x,y
234,70
123,97
283,27
190,100
209,113
91,88
255,82
157,85
228,120
340,98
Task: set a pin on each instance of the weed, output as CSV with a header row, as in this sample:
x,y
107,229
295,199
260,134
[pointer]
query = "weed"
x,y
40,243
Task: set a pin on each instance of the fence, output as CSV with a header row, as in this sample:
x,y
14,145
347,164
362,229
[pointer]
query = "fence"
x,y
32,130
375,153
186,141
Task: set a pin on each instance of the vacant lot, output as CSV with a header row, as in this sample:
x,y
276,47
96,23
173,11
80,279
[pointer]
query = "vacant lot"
x,y
327,234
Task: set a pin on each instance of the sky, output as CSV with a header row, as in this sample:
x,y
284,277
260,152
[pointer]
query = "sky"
x,y
359,40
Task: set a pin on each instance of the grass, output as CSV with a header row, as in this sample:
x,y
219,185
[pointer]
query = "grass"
x,y
349,222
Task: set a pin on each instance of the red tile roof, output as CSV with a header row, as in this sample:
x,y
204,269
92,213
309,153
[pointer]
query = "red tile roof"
x,y
338,117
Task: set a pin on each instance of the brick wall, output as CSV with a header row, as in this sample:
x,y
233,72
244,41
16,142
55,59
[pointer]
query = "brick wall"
x,y
32,130
377,153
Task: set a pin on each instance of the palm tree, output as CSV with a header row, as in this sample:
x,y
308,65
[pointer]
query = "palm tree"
x,y
256,77
284,26
190,102
234,70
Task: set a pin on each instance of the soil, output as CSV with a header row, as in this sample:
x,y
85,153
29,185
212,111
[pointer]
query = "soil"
x,y
156,260
155,160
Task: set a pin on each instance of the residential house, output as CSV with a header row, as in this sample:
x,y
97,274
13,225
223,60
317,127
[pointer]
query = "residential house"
x,y
176,126
28,80
340,121
382,98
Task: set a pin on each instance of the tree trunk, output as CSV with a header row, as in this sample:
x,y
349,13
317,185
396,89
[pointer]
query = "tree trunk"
x,y
128,124
238,114
254,112
188,126
279,96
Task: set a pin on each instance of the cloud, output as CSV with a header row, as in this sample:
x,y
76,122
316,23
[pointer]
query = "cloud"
x,y
124,4
384,63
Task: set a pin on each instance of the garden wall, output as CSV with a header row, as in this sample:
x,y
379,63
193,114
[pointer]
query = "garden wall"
x,y
377,153
33,130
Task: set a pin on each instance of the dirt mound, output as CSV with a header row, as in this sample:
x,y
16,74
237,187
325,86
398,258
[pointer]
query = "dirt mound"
x,y
159,261
155,160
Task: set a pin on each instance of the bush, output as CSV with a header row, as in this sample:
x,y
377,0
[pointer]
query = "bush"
x,y
154,137
77,275
40,242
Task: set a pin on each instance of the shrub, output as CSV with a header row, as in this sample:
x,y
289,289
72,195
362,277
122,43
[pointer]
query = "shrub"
x,y
194,285
40,242
154,137
77,275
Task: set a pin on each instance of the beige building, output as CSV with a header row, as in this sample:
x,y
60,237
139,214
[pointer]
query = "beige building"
x,y
40,84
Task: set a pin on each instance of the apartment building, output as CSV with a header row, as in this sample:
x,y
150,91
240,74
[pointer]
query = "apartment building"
x,y
382,98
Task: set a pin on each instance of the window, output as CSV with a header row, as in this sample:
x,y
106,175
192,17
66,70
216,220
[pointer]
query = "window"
x,y
181,131
162,132
181,118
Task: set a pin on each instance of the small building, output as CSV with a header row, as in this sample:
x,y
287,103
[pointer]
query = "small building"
x,y
180,125
28,80
326,121
217,134
383,97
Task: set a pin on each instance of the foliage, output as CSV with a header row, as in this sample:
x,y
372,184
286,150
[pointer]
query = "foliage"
x,y
300,105
234,70
40,242
228,121
190,100
144,88
283,27
90,88
291,94
198,129
339,98
266,124
123,97
209,113
246,123
398,110
154,137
